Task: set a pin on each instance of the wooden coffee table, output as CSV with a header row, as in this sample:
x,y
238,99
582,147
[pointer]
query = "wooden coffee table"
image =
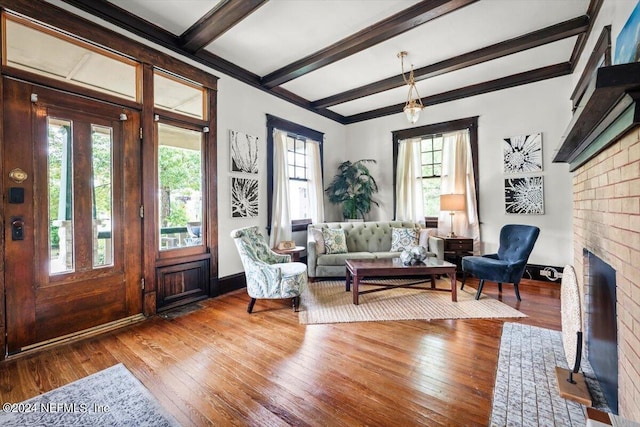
x,y
358,269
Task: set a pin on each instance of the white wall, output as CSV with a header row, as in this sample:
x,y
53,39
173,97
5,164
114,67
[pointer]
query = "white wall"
x,y
537,107
244,108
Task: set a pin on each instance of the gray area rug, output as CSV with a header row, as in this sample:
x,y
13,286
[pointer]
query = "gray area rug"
x,y
112,397
328,302
526,390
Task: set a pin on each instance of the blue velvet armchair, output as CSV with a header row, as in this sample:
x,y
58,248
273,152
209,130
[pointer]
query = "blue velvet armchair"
x,y
506,266
269,275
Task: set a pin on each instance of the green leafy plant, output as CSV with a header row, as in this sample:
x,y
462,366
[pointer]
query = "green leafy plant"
x,y
353,187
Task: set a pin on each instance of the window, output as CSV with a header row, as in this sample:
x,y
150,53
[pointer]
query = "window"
x,y
44,51
431,159
431,162
299,162
178,95
180,186
298,165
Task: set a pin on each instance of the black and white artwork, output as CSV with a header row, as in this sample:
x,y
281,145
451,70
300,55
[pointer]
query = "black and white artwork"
x,y
524,195
522,153
243,149
244,197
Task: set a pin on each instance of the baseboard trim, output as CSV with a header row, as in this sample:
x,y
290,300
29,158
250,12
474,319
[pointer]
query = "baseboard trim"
x,y
76,336
231,283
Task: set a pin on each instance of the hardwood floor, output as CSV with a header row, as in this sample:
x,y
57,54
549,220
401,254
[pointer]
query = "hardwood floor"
x,y
221,366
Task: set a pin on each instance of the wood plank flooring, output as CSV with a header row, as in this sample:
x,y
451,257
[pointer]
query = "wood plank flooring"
x,y
221,366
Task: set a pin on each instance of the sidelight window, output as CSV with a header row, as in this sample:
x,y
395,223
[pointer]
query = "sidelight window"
x,y
180,175
102,197
60,180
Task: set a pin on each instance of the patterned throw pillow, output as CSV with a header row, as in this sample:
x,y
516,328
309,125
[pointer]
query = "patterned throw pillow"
x,y
317,236
403,238
335,241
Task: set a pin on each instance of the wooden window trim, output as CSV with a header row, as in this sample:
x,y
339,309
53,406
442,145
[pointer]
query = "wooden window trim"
x,y
274,122
470,123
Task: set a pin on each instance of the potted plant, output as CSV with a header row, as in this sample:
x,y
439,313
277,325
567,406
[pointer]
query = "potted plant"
x,y
353,187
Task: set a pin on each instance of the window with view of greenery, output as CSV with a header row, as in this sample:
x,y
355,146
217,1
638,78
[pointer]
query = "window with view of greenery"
x,y
298,164
180,186
60,193
431,162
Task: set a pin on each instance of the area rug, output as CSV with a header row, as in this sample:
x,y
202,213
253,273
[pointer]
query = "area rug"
x,y
112,397
328,302
526,390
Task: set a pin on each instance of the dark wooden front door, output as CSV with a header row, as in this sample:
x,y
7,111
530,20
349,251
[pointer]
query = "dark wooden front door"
x,y
72,236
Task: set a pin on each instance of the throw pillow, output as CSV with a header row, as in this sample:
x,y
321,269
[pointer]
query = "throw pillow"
x,y
425,233
335,241
403,239
317,236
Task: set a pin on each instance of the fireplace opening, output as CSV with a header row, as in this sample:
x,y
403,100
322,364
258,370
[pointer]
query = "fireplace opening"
x,y
601,327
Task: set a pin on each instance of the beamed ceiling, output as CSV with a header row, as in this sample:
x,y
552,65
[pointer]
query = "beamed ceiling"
x,y
338,58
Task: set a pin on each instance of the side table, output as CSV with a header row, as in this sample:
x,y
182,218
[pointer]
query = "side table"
x,y
457,247
295,252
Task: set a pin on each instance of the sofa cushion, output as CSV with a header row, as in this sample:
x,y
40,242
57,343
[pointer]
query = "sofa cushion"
x,y
403,239
339,259
334,240
317,236
425,233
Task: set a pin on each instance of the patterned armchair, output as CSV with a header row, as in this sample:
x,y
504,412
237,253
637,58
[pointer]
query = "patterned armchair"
x,y
269,275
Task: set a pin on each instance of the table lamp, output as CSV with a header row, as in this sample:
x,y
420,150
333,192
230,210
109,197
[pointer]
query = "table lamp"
x,y
452,203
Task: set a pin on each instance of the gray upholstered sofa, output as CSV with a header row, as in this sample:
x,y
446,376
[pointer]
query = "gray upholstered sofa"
x,y
365,240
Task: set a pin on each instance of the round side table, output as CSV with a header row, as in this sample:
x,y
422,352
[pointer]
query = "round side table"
x,y
295,252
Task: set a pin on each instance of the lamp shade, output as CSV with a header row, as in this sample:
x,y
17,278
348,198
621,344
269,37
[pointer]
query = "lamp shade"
x,y
452,202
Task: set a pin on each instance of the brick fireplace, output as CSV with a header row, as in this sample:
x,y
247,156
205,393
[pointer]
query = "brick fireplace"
x,y
606,222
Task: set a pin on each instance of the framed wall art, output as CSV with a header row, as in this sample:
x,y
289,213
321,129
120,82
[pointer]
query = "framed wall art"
x,y
244,197
522,153
243,150
524,195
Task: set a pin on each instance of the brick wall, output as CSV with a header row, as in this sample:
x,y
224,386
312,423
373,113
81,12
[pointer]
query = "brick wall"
x,y
606,220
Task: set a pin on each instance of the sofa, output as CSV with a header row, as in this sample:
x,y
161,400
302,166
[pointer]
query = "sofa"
x,y
364,240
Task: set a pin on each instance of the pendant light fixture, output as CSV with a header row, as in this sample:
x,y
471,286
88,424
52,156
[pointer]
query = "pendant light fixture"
x,y
414,106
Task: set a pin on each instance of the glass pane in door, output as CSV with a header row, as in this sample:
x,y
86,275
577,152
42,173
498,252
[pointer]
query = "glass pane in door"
x,y
180,186
60,183
102,198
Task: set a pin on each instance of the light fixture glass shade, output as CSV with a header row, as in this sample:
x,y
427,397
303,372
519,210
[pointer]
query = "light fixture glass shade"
x,y
412,111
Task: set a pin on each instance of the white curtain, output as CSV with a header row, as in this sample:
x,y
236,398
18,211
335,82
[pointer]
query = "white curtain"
x,y
316,193
280,217
409,197
458,178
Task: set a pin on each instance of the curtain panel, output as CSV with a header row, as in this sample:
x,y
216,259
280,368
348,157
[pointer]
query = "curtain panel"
x,y
316,190
458,178
280,216
409,195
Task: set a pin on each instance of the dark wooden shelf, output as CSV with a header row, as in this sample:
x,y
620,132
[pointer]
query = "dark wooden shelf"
x,y
608,109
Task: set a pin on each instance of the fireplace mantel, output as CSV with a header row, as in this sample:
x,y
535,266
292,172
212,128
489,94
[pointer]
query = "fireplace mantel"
x,y
608,109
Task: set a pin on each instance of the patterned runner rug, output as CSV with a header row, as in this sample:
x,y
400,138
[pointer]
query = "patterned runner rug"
x,y
526,389
112,397
328,302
